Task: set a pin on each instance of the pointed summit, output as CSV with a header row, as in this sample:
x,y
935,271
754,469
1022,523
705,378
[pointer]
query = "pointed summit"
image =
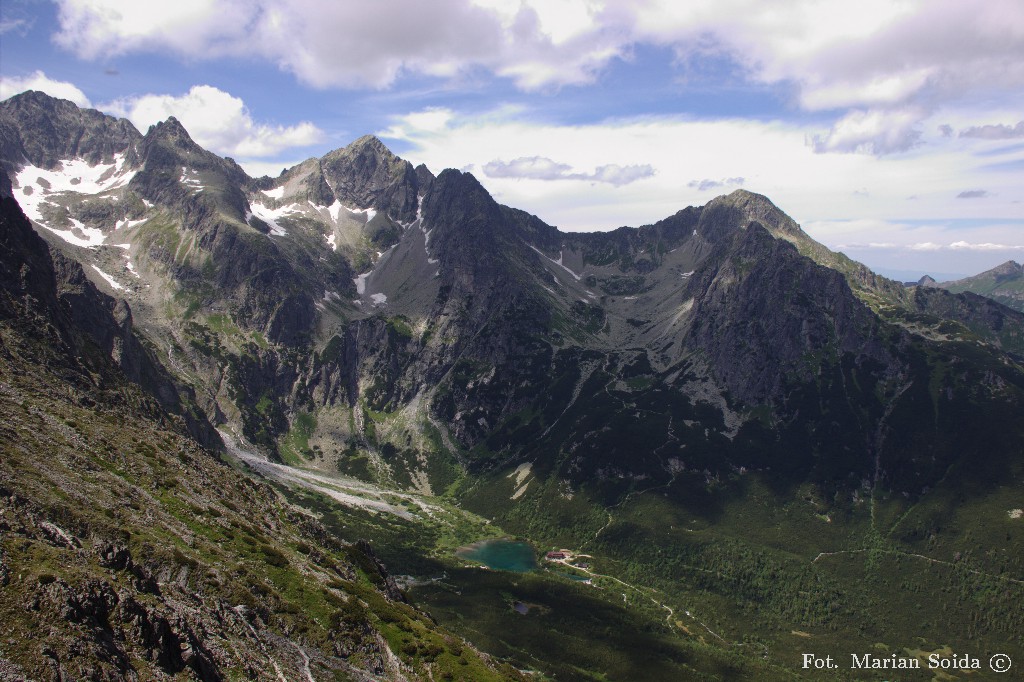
x,y
722,215
370,142
171,130
368,175
1010,268
759,208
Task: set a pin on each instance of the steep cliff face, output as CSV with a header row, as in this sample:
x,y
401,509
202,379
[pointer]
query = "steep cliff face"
x,y
766,318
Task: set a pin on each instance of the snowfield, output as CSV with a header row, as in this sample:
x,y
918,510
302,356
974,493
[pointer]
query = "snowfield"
x,y
36,186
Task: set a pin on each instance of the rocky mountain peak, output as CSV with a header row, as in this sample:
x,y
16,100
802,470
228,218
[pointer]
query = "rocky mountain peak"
x,y
458,198
1009,268
44,131
1009,271
423,175
753,207
370,144
171,131
367,174
926,281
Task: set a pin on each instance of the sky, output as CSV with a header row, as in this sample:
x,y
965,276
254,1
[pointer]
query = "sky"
x,y
891,130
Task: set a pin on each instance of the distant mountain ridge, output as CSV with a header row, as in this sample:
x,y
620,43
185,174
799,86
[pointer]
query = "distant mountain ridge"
x,y
1003,283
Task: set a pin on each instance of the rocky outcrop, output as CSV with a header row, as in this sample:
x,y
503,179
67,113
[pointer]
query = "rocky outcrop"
x,y
167,152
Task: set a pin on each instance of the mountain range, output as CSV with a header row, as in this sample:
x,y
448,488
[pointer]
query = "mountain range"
x,y
739,424
1003,283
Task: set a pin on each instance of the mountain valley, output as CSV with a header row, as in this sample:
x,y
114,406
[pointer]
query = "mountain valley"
x,y
238,409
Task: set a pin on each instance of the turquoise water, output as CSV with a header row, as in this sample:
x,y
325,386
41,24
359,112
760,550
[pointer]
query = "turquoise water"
x,y
503,555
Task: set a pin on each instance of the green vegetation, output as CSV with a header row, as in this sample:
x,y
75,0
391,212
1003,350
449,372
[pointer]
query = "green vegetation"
x,y
400,326
294,446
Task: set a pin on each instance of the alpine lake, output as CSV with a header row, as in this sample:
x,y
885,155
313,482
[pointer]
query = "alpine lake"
x,y
501,555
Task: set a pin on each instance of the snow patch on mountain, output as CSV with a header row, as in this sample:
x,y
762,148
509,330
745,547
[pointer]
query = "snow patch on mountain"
x,y
360,282
110,280
189,180
79,234
126,223
335,209
557,262
34,186
271,215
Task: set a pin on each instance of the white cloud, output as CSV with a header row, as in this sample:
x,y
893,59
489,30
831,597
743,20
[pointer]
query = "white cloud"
x,y
14,25
533,167
881,67
10,86
984,246
995,132
217,121
883,89
873,132
934,247
324,44
707,183
543,168
195,28
839,54
617,175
